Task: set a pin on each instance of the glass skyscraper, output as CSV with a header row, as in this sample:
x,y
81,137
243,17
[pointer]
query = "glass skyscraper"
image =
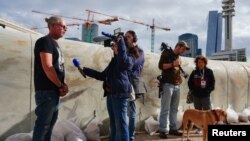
x,y
214,33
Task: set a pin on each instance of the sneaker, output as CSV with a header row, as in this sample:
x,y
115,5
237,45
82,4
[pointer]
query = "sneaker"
x,y
174,132
163,135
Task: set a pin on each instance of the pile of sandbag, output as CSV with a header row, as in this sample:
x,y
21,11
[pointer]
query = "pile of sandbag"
x,y
244,116
20,137
233,117
152,125
67,130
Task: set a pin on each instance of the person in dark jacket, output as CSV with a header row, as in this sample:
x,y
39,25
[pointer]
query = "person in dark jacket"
x,y
201,83
117,87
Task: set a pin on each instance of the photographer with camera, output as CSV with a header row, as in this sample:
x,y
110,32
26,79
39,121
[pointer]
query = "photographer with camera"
x,y
136,80
117,88
169,63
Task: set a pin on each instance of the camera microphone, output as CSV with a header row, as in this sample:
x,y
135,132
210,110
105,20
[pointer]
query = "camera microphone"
x,y
108,35
76,63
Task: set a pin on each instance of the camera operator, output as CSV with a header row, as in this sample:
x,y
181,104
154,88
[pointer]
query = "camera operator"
x,y
117,88
135,77
169,63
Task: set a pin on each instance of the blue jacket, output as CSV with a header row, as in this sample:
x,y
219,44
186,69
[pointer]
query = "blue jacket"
x,y
116,74
138,65
135,74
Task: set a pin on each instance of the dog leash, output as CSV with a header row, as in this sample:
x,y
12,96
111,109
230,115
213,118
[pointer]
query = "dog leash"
x,y
216,116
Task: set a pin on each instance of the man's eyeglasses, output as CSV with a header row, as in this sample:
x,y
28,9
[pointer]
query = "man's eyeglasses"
x,y
62,26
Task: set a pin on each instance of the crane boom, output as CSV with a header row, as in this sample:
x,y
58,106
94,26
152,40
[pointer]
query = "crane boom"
x,y
67,24
152,26
74,18
106,21
88,23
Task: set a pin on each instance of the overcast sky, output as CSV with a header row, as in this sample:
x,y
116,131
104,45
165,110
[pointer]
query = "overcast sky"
x,y
181,16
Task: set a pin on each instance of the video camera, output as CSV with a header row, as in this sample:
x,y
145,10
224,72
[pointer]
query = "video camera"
x,y
166,47
112,38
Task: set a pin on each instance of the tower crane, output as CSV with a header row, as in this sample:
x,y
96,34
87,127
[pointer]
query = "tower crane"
x,y
106,21
88,36
87,23
152,26
68,24
74,18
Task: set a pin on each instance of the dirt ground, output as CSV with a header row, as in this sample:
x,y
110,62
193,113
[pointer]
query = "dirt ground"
x,y
143,136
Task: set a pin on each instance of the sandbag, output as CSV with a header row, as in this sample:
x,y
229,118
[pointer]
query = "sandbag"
x,y
92,131
20,137
151,125
232,116
179,118
65,130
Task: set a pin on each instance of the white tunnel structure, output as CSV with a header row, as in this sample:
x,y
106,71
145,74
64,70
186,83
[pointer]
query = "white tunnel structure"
x,y
86,94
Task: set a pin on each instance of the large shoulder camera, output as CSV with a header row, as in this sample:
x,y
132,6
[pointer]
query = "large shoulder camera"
x,y
166,47
112,38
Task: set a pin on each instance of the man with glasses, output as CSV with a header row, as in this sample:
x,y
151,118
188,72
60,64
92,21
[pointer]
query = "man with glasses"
x,y
49,79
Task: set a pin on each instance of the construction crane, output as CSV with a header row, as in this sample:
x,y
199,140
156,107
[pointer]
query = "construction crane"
x,y
106,21
152,26
87,22
68,24
88,36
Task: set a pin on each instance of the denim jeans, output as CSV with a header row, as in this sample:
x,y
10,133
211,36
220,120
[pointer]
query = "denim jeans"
x,y
169,107
117,110
132,119
46,111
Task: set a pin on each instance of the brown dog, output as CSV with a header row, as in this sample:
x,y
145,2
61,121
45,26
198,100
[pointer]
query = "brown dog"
x,y
202,119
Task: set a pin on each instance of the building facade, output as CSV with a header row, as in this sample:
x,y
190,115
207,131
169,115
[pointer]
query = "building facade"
x,y
232,55
214,33
89,32
192,41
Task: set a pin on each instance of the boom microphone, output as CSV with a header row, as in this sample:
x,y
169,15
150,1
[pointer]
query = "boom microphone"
x,y
76,63
108,35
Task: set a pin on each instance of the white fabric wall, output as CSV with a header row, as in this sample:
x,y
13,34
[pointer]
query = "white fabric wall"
x,y
86,95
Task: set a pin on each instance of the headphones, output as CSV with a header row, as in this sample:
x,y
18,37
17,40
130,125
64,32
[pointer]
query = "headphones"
x,y
133,34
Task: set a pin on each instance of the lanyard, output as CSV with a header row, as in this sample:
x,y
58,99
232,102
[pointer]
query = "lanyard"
x,y
202,72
